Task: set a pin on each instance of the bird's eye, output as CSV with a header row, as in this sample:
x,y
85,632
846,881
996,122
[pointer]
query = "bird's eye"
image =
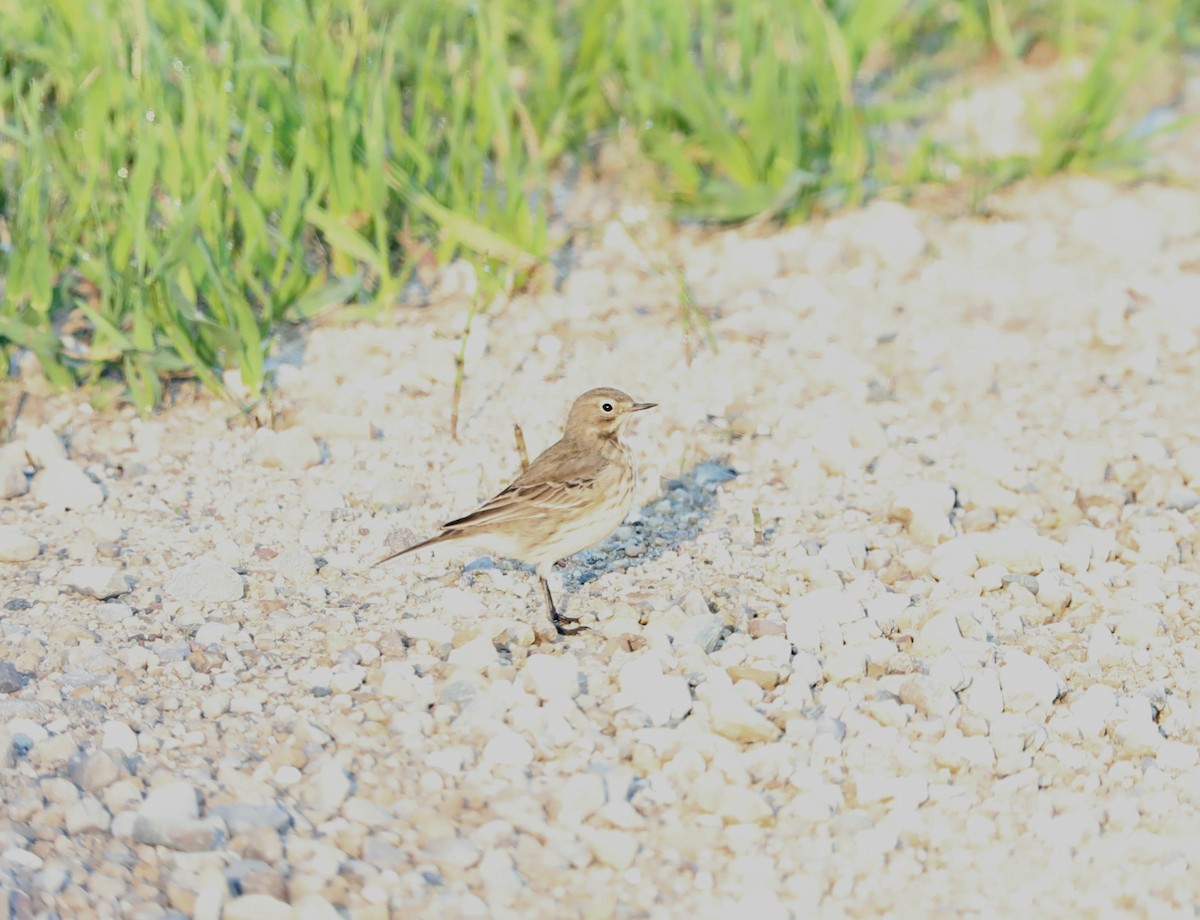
x,y
606,407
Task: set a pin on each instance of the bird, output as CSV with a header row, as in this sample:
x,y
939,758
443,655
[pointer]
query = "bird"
x,y
571,497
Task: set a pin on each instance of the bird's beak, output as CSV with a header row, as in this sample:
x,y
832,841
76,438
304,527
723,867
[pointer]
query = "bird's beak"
x,y
639,407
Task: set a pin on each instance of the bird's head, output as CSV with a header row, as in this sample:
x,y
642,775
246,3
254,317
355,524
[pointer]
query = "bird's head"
x,y
602,412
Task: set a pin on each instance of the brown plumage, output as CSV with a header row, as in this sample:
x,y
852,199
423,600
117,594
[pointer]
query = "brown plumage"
x,y
571,497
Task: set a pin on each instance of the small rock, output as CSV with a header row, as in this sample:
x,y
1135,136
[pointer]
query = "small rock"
x,y
552,677
661,697
175,801
258,907
1018,549
99,581
348,680
119,737
295,564
86,815
206,581
1181,498
11,680
615,849
241,817
190,836
61,484
1028,682
1092,710
435,632
215,705
953,559
931,697
95,771
291,449
580,797
735,719
16,545
43,446
703,632
924,509
845,663
1139,627
905,791
331,786
476,655
13,482
508,748
824,608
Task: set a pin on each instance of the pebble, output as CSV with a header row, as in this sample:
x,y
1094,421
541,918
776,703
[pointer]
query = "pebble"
x,y
259,907
295,564
99,581
924,510
16,545
702,632
62,484
13,482
11,679
953,559
733,718
662,697
241,817
185,836
207,581
292,449
507,748
96,771
1028,682
119,737
552,677
331,786
1092,709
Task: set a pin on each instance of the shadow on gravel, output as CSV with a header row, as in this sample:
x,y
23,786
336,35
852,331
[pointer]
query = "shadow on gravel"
x,y
689,502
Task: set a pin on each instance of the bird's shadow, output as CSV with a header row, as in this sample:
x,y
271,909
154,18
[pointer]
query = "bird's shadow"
x,y
676,516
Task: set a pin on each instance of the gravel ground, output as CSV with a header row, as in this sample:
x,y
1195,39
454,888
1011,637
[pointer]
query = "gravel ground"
x,y
955,670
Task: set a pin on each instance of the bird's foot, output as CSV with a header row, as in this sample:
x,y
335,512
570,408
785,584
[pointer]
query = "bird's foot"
x,y
568,626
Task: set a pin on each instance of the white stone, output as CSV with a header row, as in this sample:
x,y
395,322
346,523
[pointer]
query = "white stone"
x,y
215,705
924,509
702,632
331,786
1177,755
348,680
1139,627
427,629
43,446
827,607
13,482
890,231
258,907
99,581
315,907
643,685
173,801
845,663
580,797
906,791
1092,709
295,564
292,449
119,737
509,749
207,581
552,677
735,719
1018,549
62,484
16,545
612,848
476,655
984,696
1028,682
86,815
953,559
1187,461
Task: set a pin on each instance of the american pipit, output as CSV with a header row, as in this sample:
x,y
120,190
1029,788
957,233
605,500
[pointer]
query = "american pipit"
x,y
571,497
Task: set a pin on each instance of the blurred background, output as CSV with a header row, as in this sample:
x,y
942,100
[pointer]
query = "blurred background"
x,y
181,180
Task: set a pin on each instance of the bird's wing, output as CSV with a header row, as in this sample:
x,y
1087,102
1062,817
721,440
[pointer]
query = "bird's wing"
x,y
559,479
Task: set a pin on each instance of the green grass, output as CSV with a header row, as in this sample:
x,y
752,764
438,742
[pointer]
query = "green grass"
x,y
180,177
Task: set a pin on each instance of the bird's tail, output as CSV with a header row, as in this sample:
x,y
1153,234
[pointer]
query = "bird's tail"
x,y
446,535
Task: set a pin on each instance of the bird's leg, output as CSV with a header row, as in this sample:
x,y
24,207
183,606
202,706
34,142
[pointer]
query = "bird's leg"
x,y
557,619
